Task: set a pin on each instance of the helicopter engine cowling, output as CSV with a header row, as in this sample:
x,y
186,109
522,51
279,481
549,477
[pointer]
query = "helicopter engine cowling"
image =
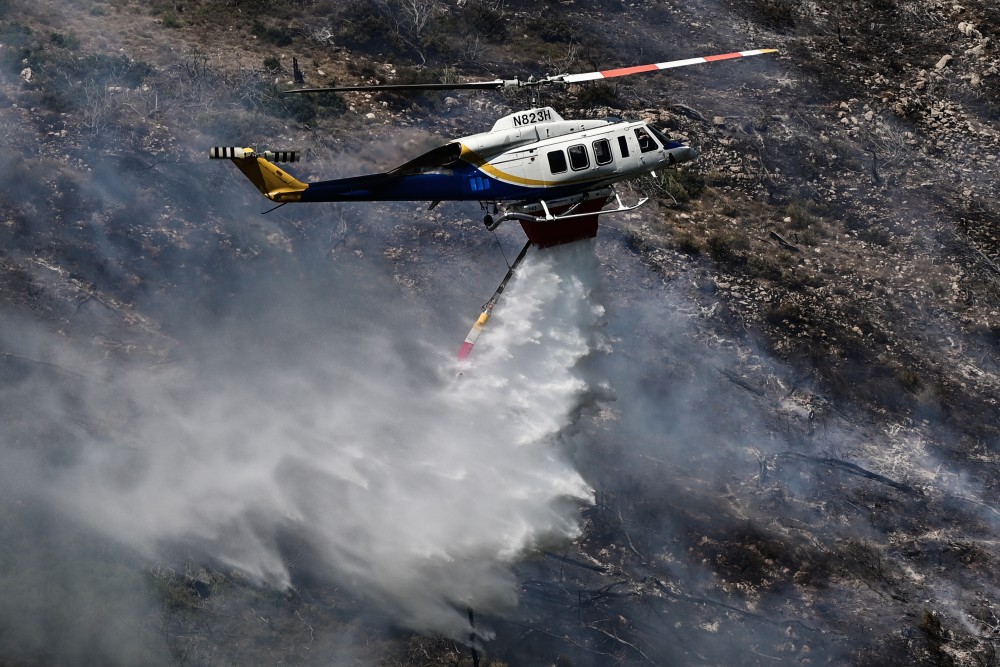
x,y
235,152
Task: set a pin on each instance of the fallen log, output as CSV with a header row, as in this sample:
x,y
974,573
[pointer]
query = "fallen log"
x,y
783,243
851,468
736,379
578,563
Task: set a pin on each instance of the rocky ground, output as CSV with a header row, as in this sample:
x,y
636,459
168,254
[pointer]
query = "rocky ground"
x,y
826,276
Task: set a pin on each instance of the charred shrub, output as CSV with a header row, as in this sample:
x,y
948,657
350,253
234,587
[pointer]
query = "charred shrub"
x,y
765,268
400,27
363,26
60,73
552,31
103,68
65,41
659,15
301,108
687,244
727,248
776,14
16,39
598,94
786,312
485,18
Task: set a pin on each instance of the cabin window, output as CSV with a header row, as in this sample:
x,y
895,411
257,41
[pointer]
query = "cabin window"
x,y
578,158
623,146
646,142
602,151
557,162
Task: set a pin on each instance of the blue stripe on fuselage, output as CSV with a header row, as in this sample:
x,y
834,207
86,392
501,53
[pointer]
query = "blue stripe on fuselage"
x,y
463,182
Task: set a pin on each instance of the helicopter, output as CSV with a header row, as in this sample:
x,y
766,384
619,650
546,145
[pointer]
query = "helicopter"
x,y
554,176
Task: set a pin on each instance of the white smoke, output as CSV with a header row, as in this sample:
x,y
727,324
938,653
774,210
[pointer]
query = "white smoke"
x,y
415,489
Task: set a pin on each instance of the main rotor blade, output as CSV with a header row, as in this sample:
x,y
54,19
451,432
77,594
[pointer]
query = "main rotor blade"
x,y
398,87
497,84
638,69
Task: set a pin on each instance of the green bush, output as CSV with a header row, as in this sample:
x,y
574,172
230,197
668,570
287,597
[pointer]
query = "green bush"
x,y
63,41
301,108
553,31
803,213
277,36
170,20
272,64
687,244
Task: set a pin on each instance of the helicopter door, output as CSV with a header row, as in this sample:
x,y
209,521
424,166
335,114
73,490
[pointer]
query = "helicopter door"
x,y
627,152
604,157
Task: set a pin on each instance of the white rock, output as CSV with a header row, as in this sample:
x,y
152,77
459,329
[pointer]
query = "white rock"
x,y
976,51
969,29
941,64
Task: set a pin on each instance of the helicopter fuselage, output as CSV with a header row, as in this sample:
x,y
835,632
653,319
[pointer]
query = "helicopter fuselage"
x,y
552,175
528,155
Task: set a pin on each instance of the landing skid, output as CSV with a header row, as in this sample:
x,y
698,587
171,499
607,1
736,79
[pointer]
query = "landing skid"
x,y
566,208
549,222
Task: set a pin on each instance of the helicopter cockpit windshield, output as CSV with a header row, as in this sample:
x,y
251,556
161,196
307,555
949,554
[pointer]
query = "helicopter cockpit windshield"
x,y
666,141
646,142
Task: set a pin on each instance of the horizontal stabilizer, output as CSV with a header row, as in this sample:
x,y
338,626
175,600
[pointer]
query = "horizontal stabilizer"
x,y
234,152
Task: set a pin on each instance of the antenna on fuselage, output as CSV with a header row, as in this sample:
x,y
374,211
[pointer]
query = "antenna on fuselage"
x,y
536,93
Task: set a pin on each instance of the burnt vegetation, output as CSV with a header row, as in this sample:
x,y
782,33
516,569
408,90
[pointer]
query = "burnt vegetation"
x,y
837,236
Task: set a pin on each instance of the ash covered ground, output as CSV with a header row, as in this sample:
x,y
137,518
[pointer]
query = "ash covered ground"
x,y
752,423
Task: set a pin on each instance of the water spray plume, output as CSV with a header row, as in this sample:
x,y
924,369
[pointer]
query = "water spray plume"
x,y
411,488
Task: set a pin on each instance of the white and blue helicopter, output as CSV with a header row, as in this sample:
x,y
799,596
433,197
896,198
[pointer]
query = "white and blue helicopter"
x,y
554,176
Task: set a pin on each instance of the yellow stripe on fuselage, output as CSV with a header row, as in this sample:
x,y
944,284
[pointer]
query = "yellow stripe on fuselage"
x,y
484,166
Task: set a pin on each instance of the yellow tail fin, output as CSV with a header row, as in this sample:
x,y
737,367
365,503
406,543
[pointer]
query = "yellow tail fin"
x,y
272,182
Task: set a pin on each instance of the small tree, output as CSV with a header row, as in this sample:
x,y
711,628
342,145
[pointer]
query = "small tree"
x,y
408,20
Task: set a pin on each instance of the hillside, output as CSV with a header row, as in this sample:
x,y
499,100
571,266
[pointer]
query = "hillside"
x,y
789,426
